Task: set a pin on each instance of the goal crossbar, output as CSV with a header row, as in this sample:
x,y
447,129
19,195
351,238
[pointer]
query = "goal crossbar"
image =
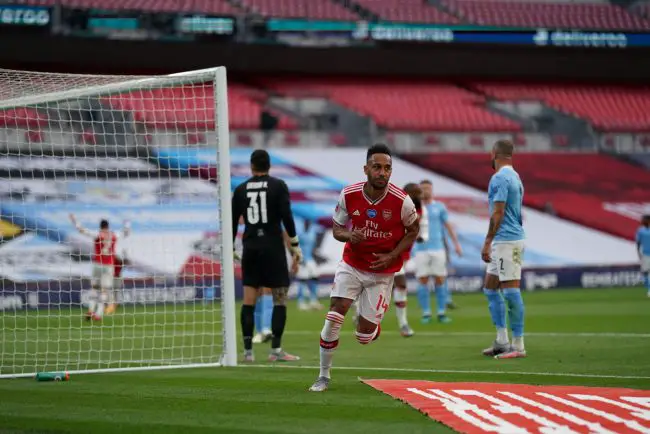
x,y
189,77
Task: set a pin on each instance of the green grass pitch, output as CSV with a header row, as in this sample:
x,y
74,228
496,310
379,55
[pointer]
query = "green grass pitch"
x,y
597,337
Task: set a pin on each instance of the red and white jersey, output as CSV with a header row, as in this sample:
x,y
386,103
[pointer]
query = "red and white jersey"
x,y
384,221
105,248
424,229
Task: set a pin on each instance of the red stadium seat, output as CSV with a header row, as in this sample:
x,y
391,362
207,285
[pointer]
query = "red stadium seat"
x,y
579,184
192,107
607,108
416,11
318,9
564,15
403,105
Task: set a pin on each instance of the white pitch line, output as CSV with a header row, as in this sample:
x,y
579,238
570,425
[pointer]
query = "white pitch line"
x,y
160,332
452,371
533,334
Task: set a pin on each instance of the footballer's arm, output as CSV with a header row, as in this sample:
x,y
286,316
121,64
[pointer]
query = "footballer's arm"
x,y
82,230
408,239
495,222
454,236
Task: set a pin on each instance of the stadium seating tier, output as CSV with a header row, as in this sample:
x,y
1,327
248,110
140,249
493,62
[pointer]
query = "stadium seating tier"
x,y
580,187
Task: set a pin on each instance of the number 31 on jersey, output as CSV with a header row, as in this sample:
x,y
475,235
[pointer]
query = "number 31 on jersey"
x,y
257,207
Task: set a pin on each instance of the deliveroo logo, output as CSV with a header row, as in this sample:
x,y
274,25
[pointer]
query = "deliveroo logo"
x,y
541,37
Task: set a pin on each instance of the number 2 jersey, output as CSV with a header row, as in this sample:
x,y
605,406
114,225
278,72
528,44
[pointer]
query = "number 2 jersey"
x,y
265,205
383,221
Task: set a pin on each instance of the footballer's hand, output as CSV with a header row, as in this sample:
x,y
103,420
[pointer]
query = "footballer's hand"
x,y
236,256
382,261
73,219
294,248
357,235
459,250
486,252
295,265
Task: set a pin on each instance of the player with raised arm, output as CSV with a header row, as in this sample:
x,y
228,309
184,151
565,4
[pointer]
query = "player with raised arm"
x,y
503,251
264,202
431,257
643,248
400,291
105,241
378,223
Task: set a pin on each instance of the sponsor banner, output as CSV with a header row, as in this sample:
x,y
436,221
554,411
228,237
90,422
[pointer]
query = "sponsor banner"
x,y
66,294
467,34
25,16
72,167
520,408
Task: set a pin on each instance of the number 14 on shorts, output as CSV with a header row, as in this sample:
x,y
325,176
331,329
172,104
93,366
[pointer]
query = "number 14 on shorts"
x,y
382,306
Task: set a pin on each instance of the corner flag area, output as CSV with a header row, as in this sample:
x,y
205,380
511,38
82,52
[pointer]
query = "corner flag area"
x,y
588,339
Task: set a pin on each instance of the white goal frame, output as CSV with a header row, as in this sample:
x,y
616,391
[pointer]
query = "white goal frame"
x,y
216,75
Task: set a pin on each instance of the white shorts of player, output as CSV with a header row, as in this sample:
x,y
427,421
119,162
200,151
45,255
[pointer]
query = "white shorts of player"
x,y
308,270
645,264
430,263
372,290
507,258
102,276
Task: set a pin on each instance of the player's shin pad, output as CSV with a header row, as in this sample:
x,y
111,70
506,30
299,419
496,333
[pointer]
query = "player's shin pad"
x,y
329,336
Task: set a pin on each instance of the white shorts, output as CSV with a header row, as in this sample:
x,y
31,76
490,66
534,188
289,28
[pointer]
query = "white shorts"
x,y
308,270
507,259
372,290
645,264
103,276
431,263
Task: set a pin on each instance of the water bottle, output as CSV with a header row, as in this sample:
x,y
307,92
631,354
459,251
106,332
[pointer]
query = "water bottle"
x,y
52,376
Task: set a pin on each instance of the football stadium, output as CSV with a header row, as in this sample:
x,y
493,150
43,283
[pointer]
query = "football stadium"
x,y
516,138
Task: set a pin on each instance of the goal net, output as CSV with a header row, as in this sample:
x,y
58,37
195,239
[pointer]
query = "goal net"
x,y
149,156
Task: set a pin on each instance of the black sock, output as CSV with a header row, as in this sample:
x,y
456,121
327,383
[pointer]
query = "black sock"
x,y
278,322
247,325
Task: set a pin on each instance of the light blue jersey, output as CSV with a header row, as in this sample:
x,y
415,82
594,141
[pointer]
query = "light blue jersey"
x,y
308,241
505,186
643,239
437,217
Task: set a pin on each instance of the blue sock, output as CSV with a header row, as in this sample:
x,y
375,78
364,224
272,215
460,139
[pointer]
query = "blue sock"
x,y
312,284
258,315
646,280
424,299
515,310
301,292
497,307
441,298
267,311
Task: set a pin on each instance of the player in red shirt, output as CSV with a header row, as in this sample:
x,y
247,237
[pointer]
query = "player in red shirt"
x,y
103,263
377,222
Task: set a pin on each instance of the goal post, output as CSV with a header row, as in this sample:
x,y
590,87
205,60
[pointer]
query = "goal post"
x,y
130,150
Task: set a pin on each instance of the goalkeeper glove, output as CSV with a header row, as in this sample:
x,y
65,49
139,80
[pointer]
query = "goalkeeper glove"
x,y
236,256
295,249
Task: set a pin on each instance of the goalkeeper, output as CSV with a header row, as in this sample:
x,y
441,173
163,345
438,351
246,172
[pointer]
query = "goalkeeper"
x,y
264,202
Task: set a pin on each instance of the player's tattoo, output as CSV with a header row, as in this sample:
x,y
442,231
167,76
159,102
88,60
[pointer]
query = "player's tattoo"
x,y
280,296
495,220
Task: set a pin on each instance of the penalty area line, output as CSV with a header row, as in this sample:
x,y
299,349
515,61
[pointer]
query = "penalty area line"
x,y
451,371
